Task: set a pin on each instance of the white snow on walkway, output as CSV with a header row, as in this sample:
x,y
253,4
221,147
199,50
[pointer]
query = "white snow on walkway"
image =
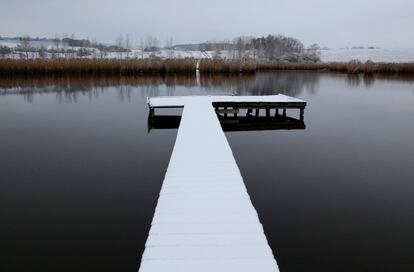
x,y
179,101
204,219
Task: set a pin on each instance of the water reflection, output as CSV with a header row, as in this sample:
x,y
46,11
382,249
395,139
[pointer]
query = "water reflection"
x,y
68,89
245,122
79,183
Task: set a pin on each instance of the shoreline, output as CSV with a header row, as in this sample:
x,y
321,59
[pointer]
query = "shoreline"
x,y
135,67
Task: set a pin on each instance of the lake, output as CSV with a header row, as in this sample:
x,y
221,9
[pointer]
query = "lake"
x,y
80,171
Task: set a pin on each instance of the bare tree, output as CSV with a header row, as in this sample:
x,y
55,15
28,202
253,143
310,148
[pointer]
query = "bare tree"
x,y
127,45
56,42
65,44
94,46
169,46
5,50
24,46
314,49
119,44
120,40
141,47
72,44
42,51
127,42
269,47
151,44
241,45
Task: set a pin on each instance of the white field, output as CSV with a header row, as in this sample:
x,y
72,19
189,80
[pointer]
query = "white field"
x,y
376,55
388,55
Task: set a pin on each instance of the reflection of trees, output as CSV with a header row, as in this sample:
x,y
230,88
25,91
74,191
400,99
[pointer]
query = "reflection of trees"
x,y
369,80
289,83
69,89
353,80
285,82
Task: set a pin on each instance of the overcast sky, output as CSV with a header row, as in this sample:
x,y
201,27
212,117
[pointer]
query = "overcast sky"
x,y
332,23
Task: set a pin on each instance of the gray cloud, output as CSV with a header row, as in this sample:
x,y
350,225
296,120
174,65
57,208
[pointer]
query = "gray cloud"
x,y
328,22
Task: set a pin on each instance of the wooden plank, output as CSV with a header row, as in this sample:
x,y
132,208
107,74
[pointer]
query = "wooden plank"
x,y
204,219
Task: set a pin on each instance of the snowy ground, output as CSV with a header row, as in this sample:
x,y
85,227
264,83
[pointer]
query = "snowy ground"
x,y
376,55
330,55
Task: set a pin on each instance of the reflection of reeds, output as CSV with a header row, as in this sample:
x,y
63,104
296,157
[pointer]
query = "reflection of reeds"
x,y
260,83
220,66
352,67
247,84
95,67
79,82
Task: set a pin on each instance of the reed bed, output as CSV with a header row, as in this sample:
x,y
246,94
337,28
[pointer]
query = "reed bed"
x,y
352,67
82,67
108,67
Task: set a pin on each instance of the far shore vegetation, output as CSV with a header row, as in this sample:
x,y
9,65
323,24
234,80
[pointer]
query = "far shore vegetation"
x,y
66,56
132,67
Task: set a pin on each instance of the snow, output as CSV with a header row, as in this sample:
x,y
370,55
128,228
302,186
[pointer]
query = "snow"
x,y
180,101
204,219
377,55
388,55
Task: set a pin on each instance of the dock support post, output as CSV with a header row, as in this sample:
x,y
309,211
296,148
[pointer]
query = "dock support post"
x,y
249,111
267,112
302,113
225,111
152,112
276,112
257,111
284,112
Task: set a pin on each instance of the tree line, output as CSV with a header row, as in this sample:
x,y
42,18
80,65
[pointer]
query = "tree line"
x,y
270,47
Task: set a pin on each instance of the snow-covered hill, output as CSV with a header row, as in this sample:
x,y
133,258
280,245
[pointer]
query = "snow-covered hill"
x,y
376,55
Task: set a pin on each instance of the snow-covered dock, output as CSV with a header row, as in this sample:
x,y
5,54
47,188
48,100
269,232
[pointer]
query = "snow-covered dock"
x,y
204,219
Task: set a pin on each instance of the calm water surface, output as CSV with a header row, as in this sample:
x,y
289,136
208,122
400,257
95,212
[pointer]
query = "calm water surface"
x,y
80,172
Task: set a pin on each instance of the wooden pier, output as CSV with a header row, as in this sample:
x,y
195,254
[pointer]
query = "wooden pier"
x,y
204,219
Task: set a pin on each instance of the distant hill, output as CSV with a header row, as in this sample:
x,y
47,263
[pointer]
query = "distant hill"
x,y
47,41
203,46
187,47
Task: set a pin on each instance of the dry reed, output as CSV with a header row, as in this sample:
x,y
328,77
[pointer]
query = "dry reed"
x,y
81,67
95,67
352,67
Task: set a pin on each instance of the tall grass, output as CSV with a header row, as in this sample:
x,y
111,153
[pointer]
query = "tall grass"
x,y
108,67
352,67
82,67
